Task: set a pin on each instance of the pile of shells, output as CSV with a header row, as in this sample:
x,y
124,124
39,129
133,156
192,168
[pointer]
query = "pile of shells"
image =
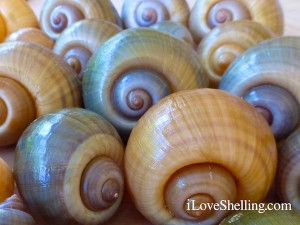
x,y
132,118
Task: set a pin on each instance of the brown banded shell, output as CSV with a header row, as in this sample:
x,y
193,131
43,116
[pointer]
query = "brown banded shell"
x,y
199,146
73,174
223,44
33,82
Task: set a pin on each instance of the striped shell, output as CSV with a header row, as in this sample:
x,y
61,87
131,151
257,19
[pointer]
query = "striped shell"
x,y
140,13
176,29
14,15
204,146
225,43
33,82
134,70
207,14
267,75
57,15
32,35
78,179
288,173
78,42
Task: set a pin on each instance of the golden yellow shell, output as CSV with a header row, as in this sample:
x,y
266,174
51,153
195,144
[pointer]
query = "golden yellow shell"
x,y
32,35
33,82
206,14
6,181
223,44
14,15
198,127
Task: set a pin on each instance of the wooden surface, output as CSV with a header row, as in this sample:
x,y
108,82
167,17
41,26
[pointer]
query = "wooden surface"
x,y
291,10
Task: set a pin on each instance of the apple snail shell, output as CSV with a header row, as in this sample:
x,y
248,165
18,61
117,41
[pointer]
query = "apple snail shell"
x,y
135,69
199,145
267,76
68,168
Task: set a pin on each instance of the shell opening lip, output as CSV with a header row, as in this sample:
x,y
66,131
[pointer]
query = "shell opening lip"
x,y
265,113
3,111
277,105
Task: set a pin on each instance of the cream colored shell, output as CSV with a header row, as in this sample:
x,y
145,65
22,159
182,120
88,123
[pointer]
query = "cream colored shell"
x,y
103,9
223,44
139,13
267,12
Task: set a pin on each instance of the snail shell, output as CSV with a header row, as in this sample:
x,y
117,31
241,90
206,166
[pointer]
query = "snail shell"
x,y
134,70
202,146
32,35
79,41
12,19
225,43
33,81
176,29
207,14
141,13
73,174
13,211
6,180
57,15
267,76
274,217
288,173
